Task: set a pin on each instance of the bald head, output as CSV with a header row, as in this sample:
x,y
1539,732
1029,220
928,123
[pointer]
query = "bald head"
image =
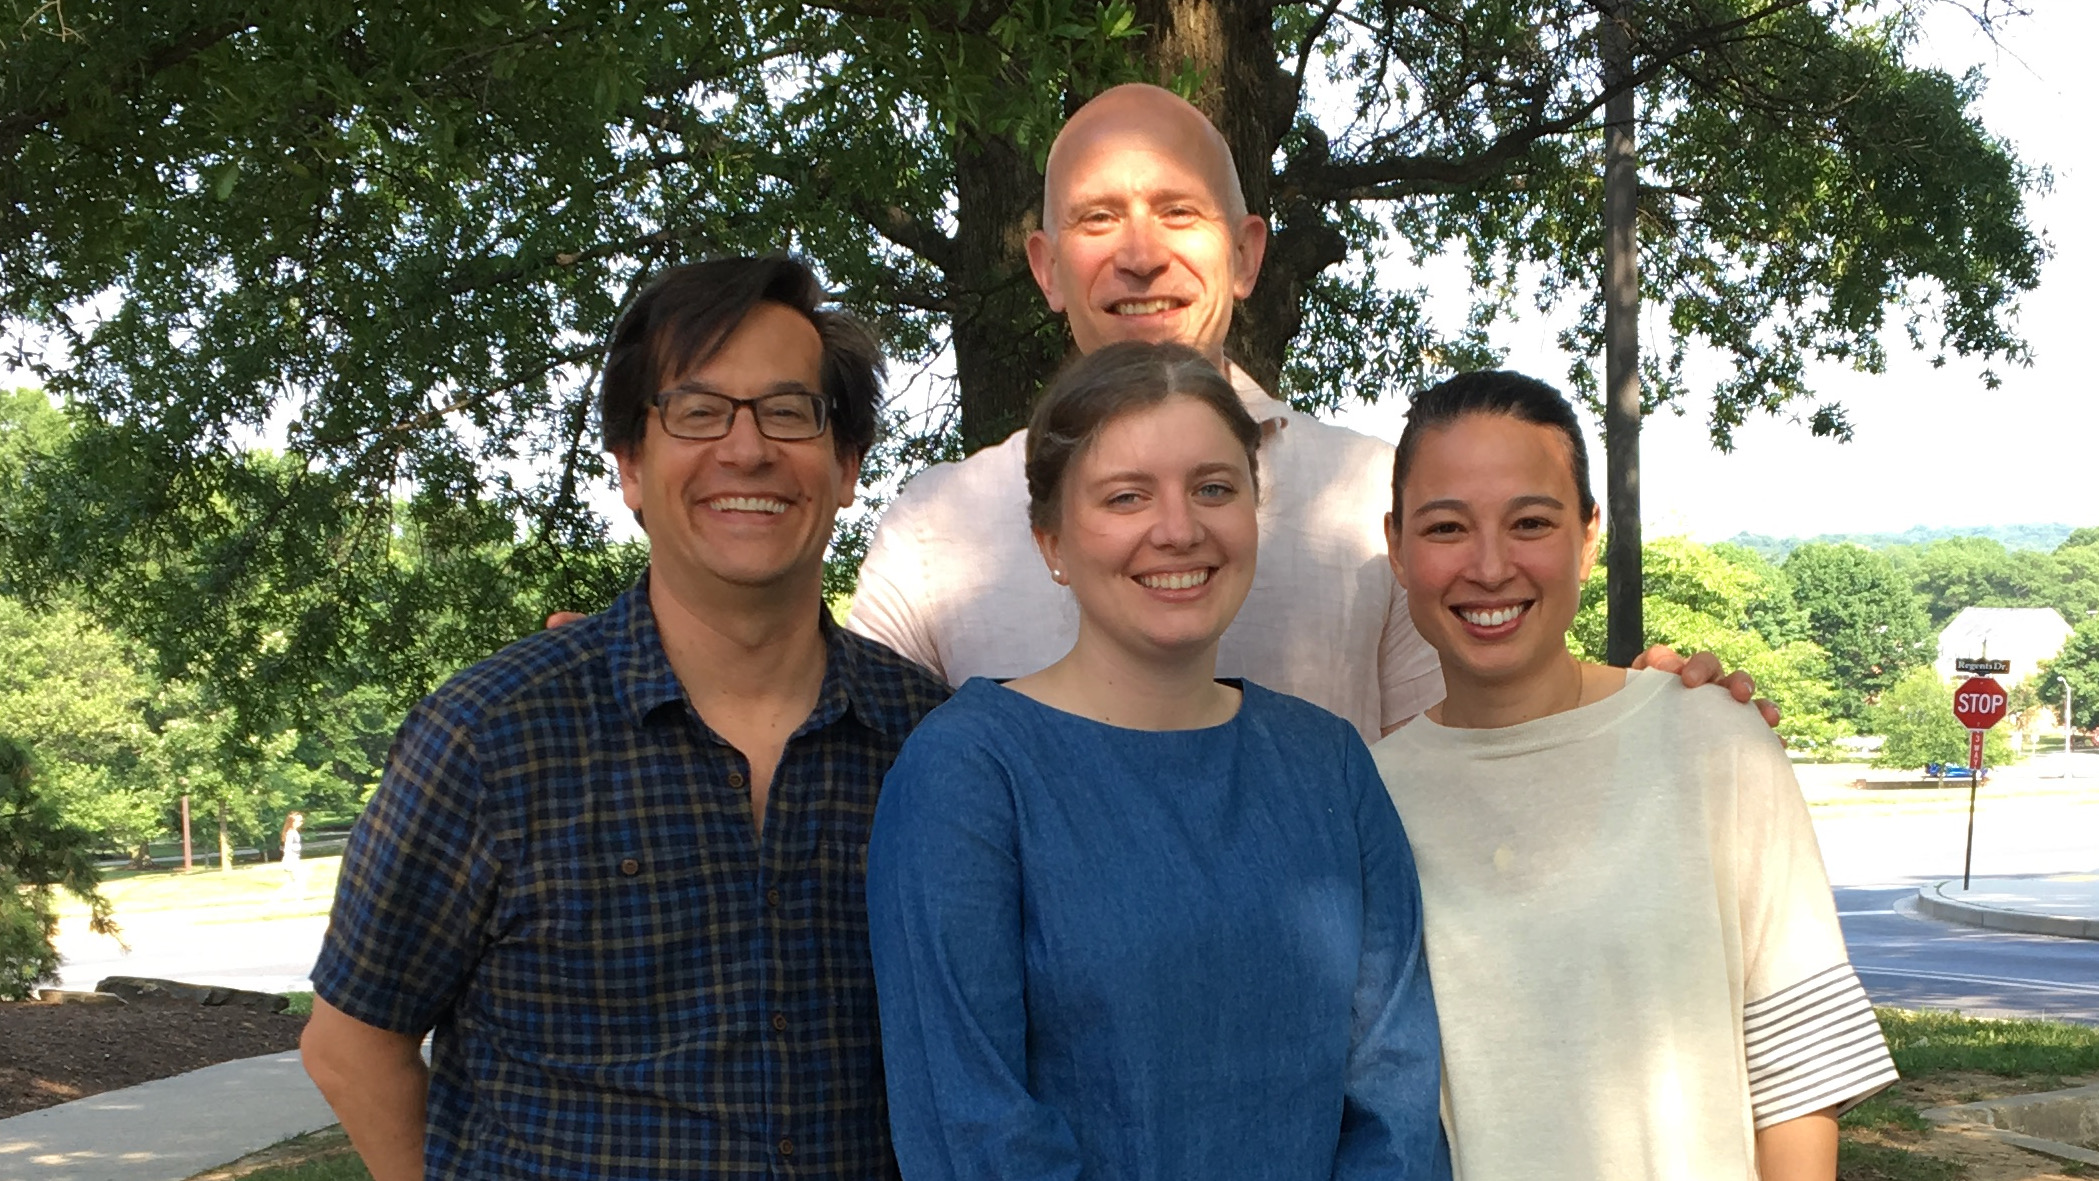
x,y
1140,114
1145,234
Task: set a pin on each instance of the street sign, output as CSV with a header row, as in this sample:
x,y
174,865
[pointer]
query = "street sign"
x,y
1971,664
1979,703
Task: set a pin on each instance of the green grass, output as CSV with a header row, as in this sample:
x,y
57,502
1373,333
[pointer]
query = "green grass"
x,y
1931,1043
301,1004
341,1165
2038,1053
1871,1162
1883,1114
325,1155
245,893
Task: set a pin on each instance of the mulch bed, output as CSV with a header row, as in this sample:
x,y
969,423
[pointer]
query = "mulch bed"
x,y
51,1054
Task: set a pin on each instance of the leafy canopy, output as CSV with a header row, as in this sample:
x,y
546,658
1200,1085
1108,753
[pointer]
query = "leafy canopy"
x,y
397,239
1726,600
1864,615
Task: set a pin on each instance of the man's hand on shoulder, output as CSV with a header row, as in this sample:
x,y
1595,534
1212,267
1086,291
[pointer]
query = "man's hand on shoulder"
x,y
564,618
1703,668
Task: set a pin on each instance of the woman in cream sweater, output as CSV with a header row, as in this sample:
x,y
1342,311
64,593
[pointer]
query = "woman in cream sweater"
x,y
1637,964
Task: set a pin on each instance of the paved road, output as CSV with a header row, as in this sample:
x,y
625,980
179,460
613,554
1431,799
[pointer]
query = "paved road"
x,y
2035,822
1908,960
2038,818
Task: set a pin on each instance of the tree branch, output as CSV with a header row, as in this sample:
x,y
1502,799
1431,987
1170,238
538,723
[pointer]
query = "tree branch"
x,y
1419,174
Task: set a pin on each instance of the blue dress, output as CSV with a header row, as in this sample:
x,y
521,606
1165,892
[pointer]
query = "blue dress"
x,y
1128,954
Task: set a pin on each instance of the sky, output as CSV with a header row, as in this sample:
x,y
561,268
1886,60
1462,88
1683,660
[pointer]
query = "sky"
x,y
1931,447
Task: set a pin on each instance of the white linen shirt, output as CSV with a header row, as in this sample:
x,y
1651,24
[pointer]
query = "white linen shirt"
x,y
953,580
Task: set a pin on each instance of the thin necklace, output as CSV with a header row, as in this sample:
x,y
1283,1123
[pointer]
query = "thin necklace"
x,y
1581,686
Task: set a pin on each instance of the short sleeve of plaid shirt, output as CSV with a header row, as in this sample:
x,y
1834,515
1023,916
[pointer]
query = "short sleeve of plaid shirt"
x,y
559,875
416,884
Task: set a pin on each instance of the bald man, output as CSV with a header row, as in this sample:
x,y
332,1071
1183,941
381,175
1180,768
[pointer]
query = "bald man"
x,y
1146,237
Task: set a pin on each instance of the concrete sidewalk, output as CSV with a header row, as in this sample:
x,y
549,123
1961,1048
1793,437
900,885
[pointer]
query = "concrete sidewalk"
x,y
168,1129
2060,904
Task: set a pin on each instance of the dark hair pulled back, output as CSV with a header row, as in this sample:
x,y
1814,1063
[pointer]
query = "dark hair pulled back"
x,y
1106,384
1493,391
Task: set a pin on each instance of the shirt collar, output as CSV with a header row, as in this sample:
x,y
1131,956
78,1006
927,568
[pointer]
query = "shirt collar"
x,y
642,679
1264,409
870,688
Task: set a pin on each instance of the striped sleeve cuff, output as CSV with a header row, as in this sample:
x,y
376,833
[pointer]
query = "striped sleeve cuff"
x,y
1812,1045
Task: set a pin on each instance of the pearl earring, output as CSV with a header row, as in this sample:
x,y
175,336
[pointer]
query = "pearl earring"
x,y
1057,576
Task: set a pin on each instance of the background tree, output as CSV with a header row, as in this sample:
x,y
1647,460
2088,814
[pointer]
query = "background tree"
x,y
1916,719
1962,572
1864,615
2078,665
1727,600
2077,570
401,241
83,694
39,854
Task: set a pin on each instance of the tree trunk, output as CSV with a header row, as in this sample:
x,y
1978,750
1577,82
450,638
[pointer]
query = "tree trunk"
x,y
1621,349
186,864
1230,48
1007,341
225,844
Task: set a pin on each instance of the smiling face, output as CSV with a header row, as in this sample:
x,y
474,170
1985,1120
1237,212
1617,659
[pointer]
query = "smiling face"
x,y
1491,547
742,510
1155,532
1145,236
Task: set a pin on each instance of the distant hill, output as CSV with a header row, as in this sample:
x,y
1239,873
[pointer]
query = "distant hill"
x,y
2034,537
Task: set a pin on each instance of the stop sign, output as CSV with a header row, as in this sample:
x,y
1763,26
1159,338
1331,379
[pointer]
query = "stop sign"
x,y
1979,703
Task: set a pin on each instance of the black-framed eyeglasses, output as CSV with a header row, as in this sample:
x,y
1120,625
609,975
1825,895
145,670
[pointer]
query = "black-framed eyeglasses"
x,y
699,414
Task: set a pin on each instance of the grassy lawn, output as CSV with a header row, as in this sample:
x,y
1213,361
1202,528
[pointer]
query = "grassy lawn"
x,y
1947,1059
243,894
1944,1058
325,1155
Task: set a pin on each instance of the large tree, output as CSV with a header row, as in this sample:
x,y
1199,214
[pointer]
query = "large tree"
x,y
1864,615
398,238
2076,666
1726,600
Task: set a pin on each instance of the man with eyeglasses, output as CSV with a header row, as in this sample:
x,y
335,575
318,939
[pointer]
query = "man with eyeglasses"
x,y
618,868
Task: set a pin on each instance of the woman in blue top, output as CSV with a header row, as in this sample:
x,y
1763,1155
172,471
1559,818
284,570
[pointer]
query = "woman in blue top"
x,y
1130,921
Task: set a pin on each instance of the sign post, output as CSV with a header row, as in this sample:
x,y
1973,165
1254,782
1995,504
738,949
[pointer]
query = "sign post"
x,y
1979,703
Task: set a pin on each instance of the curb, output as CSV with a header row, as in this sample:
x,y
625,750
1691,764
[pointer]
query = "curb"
x,y
1933,901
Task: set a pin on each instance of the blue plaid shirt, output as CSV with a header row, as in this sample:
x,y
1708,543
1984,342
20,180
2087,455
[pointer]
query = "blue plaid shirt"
x,y
560,876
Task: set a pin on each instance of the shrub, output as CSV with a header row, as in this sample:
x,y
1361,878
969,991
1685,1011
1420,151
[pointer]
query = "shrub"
x,y
39,853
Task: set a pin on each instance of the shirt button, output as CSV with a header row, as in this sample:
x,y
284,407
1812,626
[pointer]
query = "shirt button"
x,y
780,1022
772,897
786,1147
735,779
630,867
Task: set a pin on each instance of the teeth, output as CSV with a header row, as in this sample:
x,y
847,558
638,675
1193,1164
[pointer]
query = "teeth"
x,y
1494,618
1180,581
1142,307
749,504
